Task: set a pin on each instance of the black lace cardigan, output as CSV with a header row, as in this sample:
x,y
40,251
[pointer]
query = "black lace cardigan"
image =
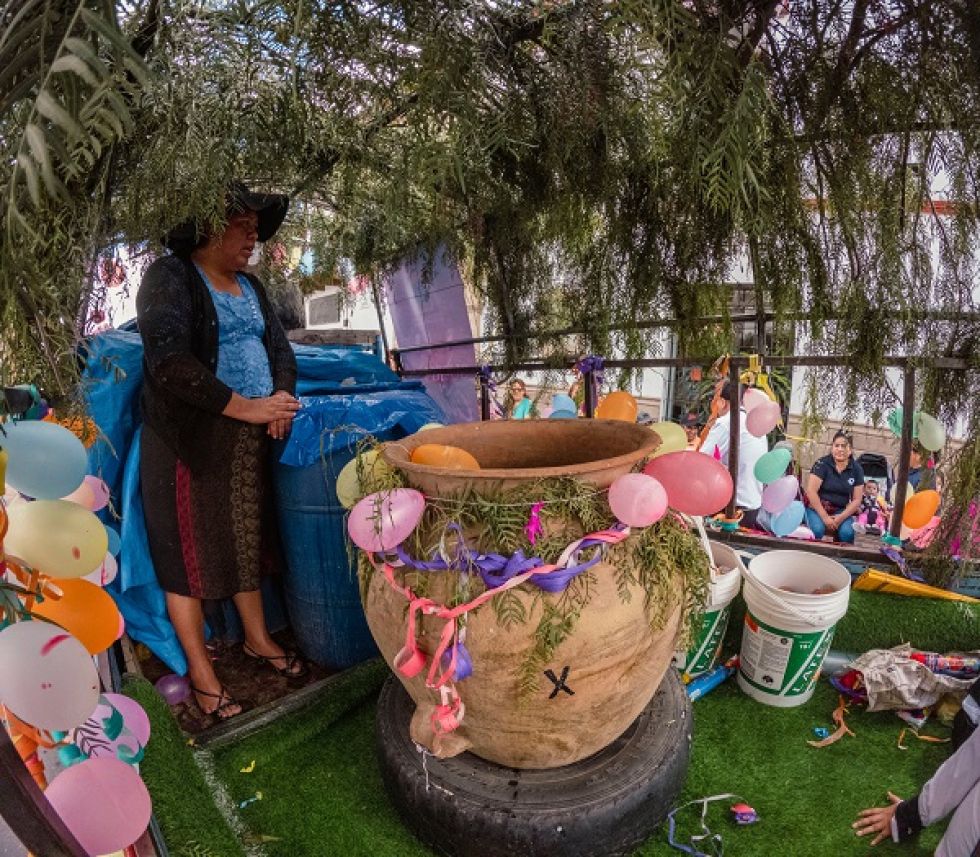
x,y
179,327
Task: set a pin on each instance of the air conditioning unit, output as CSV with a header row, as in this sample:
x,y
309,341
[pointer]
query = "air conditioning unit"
x,y
323,310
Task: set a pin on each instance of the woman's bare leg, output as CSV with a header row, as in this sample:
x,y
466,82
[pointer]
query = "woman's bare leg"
x,y
187,617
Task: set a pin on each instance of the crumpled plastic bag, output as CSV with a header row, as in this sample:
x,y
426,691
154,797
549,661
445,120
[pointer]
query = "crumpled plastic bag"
x,y
894,681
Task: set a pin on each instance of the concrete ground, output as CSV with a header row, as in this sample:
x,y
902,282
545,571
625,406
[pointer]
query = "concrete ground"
x,y
9,844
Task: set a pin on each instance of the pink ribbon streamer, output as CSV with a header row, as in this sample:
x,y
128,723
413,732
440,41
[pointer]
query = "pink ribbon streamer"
x,y
411,660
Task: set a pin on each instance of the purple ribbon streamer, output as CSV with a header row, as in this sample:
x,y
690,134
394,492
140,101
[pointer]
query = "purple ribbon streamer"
x,y
464,663
594,364
496,569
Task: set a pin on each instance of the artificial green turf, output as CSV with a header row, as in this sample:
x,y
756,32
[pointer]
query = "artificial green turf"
x,y
323,792
806,798
323,795
182,802
317,771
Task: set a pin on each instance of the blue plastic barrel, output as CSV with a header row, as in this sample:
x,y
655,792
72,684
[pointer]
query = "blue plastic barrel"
x,y
321,587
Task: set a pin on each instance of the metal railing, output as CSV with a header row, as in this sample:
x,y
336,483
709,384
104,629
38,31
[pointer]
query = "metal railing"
x,y
736,364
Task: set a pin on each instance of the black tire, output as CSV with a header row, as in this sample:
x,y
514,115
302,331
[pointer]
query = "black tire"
x,y
603,806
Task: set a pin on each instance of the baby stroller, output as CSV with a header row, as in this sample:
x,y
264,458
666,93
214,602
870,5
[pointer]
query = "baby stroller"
x,y
873,518
875,467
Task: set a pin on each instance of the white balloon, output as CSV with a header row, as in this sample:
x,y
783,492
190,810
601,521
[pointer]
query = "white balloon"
x,y
105,573
47,678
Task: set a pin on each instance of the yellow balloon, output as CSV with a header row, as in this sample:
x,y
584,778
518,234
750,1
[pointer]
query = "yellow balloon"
x,y
429,426
56,537
617,406
673,438
358,478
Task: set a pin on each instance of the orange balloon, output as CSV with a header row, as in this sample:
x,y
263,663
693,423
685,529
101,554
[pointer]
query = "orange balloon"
x,y
617,406
85,611
445,457
920,508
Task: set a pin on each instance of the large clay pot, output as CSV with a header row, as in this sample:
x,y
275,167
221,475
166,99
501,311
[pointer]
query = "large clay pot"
x,y
608,668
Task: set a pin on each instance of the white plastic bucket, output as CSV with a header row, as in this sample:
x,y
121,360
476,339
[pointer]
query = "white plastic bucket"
x,y
787,633
726,579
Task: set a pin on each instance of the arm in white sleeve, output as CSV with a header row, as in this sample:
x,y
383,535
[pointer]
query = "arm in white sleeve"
x,y
718,435
943,793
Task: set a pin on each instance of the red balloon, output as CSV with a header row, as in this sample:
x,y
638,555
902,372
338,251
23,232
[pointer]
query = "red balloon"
x,y
696,484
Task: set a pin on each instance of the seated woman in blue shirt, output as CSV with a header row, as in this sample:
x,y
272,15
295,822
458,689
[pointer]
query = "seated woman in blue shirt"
x,y
835,488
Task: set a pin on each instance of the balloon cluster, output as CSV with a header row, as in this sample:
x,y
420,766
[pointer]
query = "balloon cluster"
x,y
55,557
779,497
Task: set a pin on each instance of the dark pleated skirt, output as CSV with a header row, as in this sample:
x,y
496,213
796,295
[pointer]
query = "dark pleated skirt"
x,y
212,533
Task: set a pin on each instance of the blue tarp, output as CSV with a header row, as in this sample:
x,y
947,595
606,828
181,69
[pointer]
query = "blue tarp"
x,y
346,393
329,423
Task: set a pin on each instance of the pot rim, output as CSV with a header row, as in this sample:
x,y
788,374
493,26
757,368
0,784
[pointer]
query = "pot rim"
x,y
397,453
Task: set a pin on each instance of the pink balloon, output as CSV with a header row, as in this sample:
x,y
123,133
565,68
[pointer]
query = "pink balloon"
x,y
103,802
383,520
100,493
91,738
637,500
763,418
753,397
695,483
122,626
779,494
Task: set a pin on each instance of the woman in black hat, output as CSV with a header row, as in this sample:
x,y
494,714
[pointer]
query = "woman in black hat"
x,y
219,379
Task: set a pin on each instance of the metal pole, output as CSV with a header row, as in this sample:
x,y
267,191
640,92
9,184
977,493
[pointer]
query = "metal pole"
x,y
484,397
591,394
381,319
905,450
734,425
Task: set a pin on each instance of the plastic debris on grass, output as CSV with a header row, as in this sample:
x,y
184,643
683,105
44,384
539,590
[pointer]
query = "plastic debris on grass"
x,y
842,728
248,768
929,739
742,814
250,800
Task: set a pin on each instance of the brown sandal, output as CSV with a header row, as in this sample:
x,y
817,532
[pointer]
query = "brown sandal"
x,y
225,701
295,666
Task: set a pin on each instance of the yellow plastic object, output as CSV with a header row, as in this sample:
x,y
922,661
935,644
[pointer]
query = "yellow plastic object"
x,y
881,581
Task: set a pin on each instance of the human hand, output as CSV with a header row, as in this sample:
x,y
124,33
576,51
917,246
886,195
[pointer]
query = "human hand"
x,y
877,820
276,408
278,429
830,524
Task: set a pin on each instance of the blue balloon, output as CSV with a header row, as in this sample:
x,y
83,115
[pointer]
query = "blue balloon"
x,y
563,402
563,415
115,543
788,520
46,461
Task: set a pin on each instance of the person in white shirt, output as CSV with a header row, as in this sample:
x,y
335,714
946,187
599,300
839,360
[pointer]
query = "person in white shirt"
x,y
748,491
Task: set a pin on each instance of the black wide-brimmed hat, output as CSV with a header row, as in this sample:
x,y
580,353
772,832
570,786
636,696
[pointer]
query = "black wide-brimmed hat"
x,y
271,209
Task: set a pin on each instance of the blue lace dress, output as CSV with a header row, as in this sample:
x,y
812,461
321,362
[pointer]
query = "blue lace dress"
x,y
242,360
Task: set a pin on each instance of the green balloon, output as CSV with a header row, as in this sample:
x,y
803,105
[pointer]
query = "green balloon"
x,y
772,465
895,423
932,435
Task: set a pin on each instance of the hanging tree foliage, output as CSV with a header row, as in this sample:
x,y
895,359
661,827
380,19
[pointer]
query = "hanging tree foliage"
x,y
589,160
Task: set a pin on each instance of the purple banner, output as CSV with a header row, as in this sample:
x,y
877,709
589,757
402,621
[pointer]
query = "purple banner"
x,y
427,310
